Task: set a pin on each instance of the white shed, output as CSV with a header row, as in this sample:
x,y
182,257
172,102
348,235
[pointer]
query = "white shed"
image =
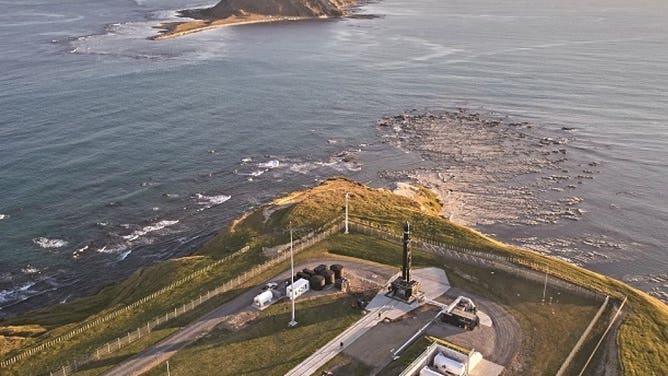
x,y
300,287
448,365
263,299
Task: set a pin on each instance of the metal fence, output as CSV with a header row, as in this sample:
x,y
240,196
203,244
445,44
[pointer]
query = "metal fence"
x,y
136,334
304,242
515,265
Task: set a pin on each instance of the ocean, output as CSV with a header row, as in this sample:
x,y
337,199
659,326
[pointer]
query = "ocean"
x,y
117,151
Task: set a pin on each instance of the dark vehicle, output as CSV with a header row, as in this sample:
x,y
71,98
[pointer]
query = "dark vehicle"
x,y
461,318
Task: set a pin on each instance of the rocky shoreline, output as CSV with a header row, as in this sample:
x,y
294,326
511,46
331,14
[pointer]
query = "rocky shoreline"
x,y
244,12
490,170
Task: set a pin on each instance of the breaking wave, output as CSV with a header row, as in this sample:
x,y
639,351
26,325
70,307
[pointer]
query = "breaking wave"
x,y
148,229
79,251
19,293
208,202
274,163
49,243
112,248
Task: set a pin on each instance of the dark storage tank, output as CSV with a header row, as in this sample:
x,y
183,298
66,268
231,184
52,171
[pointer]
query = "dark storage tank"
x,y
303,275
309,272
317,282
337,269
320,268
341,284
329,276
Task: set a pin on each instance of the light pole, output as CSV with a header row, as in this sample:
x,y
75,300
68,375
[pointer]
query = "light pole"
x,y
346,231
545,285
292,322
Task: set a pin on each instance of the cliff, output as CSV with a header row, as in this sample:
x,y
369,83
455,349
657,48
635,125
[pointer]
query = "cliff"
x,y
282,8
236,12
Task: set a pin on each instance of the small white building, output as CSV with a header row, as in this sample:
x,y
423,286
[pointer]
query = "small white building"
x,y
438,359
297,289
263,299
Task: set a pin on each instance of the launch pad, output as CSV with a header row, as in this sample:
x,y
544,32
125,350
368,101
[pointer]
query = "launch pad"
x,y
403,288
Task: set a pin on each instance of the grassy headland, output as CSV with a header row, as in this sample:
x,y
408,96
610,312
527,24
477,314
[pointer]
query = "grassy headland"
x,y
642,338
237,12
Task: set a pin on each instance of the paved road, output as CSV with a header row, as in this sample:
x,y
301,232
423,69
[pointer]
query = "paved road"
x,y
335,346
434,283
165,349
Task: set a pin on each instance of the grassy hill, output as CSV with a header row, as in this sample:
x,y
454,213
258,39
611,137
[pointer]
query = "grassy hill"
x,y
642,338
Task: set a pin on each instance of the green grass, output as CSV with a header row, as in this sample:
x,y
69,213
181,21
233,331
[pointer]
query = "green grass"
x,y
107,361
140,284
409,355
343,364
266,346
642,338
568,316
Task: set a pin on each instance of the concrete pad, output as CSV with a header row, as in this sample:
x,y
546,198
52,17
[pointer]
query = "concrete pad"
x,y
484,318
487,368
434,282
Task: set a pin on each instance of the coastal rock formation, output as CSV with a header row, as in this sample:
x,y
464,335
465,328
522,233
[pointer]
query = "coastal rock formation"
x,y
234,12
284,8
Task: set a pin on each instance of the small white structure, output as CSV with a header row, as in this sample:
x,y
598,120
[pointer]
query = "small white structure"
x,y
263,299
446,365
426,371
438,359
297,289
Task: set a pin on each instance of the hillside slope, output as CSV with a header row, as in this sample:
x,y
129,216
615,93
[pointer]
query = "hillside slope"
x,y
284,8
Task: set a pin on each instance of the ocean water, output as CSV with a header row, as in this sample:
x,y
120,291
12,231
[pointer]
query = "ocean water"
x,y
117,151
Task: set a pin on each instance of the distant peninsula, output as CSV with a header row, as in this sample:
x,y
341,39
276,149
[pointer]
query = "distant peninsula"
x,y
236,12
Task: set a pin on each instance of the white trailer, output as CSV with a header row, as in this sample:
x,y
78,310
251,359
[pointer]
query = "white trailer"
x,y
263,299
297,289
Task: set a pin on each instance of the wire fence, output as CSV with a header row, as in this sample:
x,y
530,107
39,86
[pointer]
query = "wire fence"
x,y
512,264
516,265
136,334
142,331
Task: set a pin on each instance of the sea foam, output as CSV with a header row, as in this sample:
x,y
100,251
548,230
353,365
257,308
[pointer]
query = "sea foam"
x,y
210,201
17,293
269,164
150,228
49,243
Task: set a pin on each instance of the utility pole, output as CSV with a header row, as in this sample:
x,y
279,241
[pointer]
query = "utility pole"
x,y
345,232
167,368
545,285
292,322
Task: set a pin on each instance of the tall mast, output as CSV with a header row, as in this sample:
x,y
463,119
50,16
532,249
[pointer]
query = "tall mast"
x,y
292,322
345,232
